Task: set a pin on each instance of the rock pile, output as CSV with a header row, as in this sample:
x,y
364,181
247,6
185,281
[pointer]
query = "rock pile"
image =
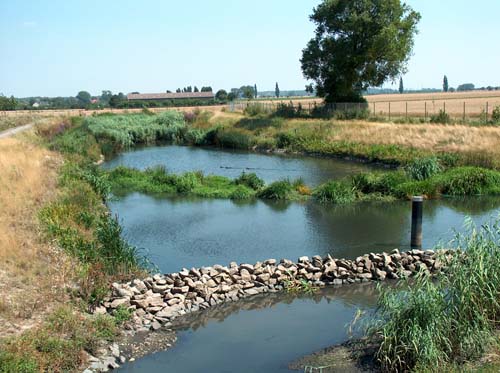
x,y
157,300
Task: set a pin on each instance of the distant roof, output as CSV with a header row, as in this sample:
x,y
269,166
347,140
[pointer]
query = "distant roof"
x,y
167,96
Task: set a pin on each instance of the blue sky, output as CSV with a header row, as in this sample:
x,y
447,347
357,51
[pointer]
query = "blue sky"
x,y
59,47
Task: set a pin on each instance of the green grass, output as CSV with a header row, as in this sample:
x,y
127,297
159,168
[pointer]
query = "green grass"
x,y
429,324
379,186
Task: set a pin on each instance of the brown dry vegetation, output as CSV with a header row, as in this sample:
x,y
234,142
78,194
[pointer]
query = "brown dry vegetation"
x,y
33,273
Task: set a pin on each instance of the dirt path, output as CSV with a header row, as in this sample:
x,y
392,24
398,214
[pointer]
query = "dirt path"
x,y
13,131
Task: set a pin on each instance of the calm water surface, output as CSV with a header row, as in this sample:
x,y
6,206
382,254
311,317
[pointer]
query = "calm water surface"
x,y
230,163
180,232
265,333
260,334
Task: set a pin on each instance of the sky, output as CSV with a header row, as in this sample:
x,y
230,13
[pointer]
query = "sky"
x,y
59,47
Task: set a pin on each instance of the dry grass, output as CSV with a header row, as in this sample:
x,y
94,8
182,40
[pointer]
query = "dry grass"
x,y
32,273
456,138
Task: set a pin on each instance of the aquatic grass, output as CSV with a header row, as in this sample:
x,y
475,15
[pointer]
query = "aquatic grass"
x,y
430,323
124,131
422,168
251,180
278,190
339,192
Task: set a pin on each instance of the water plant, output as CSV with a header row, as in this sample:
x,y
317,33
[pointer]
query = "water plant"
x,y
339,192
432,323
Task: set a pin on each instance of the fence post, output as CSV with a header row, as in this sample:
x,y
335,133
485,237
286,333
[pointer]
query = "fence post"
x,y
444,106
464,113
486,111
416,221
407,110
374,112
425,111
389,110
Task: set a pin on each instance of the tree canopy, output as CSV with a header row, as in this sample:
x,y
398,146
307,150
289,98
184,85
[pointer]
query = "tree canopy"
x,y
358,44
84,97
445,84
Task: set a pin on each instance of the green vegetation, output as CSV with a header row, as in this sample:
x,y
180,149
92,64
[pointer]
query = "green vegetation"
x,y
365,44
437,324
401,184
57,345
78,219
118,132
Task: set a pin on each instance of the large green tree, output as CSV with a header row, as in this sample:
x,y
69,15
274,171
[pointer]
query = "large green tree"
x,y
358,44
84,97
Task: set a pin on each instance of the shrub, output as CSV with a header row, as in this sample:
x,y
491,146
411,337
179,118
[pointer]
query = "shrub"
x,y
495,115
335,192
279,190
255,109
422,168
251,180
442,117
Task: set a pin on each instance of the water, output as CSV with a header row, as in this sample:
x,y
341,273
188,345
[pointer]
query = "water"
x,y
231,163
265,333
260,334
184,232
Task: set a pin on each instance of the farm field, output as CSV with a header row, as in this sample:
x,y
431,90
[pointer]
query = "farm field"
x,y
393,105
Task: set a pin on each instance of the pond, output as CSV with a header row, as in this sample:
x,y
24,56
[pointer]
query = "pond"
x,y
265,333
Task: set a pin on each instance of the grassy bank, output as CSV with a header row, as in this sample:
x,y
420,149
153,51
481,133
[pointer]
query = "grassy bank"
x,y
71,250
446,323
423,177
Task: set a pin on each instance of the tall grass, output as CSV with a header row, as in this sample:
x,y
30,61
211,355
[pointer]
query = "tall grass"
x,y
450,319
124,131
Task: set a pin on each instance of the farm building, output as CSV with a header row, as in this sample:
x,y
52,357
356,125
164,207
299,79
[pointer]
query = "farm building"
x,y
170,96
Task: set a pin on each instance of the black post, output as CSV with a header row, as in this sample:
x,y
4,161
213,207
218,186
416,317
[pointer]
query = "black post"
x,y
416,221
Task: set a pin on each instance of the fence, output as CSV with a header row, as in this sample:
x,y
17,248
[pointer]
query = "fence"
x,y
458,109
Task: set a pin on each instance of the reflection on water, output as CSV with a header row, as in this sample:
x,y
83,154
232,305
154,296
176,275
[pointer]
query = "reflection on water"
x,y
232,163
191,232
262,333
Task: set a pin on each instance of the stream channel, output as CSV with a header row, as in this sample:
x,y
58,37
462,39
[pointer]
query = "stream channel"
x,y
265,333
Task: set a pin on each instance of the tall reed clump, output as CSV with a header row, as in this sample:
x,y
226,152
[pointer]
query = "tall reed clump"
x,y
423,168
435,323
122,131
339,192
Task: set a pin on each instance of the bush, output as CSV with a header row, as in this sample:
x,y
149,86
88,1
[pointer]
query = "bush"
x,y
442,117
495,115
280,190
250,180
255,109
422,168
335,192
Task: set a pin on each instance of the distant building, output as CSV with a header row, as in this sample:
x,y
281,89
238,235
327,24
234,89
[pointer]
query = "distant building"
x,y
169,96
36,104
